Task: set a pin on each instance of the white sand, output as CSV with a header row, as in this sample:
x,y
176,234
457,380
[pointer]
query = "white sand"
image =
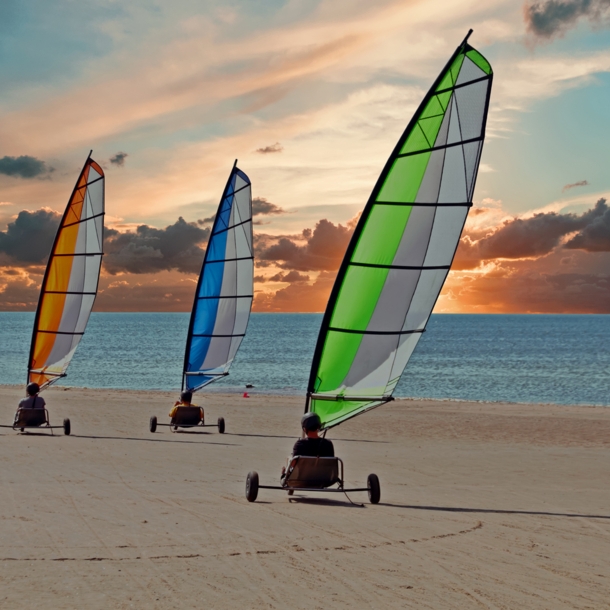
x,y
483,506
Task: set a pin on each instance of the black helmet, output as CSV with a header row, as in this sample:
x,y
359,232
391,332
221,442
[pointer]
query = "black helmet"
x,y
33,389
186,396
311,422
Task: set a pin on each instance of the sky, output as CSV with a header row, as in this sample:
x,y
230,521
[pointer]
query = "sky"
x,y
311,97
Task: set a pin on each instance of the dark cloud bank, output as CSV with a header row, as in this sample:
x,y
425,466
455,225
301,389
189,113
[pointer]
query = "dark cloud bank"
x,y
28,239
149,250
539,235
551,18
24,167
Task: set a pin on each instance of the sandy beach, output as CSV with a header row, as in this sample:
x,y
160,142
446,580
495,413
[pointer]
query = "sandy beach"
x,y
483,506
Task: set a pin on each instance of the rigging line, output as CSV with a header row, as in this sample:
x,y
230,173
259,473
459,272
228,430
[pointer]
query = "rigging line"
x,y
57,332
470,82
228,296
71,224
80,254
406,267
228,260
457,113
241,188
232,227
66,292
441,147
376,332
464,204
89,183
208,335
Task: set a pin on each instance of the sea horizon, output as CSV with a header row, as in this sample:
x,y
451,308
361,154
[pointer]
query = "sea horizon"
x,y
517,358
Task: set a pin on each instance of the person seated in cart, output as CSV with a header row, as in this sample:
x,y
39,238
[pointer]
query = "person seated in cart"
x,y
312,445
33,401
185,401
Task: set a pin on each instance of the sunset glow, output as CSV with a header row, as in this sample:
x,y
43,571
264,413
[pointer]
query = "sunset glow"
x,y
311,97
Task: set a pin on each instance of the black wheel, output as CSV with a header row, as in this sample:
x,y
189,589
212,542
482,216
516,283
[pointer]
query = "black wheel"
x,y
67,427
221,425
21,429
153,423
252,486
291,492
374,489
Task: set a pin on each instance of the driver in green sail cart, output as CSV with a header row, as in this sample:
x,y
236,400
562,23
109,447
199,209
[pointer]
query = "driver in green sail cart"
x,y
312,445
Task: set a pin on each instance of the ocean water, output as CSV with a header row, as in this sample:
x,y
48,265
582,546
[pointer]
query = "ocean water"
x,y
561,359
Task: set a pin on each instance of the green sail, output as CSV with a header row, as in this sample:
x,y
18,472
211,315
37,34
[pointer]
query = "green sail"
x,y
403,247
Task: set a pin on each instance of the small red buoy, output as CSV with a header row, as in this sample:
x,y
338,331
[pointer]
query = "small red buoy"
x,y
246,395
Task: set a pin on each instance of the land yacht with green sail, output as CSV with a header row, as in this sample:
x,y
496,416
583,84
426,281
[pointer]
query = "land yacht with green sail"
x,y
396,263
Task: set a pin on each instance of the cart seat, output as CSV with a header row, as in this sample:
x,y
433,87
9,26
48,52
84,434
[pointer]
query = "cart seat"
x,y
30,418
305,471
187,416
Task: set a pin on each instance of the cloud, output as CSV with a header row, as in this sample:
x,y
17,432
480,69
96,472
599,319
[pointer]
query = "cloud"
x,y
119,159
23,167
149,250
551,18
273,148
536,236
298,297
595,236
161,291
291,277
17,291
262,207
323,249
574,185
29,238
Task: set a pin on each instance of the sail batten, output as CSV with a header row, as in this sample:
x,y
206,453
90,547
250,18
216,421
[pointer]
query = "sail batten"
x,y
225,289
71,280
403,246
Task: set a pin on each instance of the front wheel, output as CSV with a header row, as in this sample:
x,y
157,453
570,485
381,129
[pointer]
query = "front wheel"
x,y
153,423
221,425
67,428
374,488
252,486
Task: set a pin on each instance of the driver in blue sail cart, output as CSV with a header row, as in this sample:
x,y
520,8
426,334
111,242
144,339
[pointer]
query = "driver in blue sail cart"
x,y
185,401
312,445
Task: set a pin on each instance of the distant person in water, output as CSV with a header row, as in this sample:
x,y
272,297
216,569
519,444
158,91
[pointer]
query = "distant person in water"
x,y
185,401
33,401
313,445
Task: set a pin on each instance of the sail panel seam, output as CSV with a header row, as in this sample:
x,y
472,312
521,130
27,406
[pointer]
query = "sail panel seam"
x,y
441,147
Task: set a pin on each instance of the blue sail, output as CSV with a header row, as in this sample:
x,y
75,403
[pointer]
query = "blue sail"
x,y
225,289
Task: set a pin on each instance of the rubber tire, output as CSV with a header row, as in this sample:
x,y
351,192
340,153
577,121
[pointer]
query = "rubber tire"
x,y
67,427
252,486
221,425
374,488
153,423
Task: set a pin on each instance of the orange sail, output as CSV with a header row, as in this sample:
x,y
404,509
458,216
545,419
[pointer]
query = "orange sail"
x,y
70,281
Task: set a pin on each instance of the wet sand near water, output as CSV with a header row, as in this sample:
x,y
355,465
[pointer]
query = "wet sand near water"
x,y
482,506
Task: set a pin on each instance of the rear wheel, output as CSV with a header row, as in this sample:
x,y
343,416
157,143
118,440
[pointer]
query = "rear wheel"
x,y
153,423
221,425
252,486
67,427
374,488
